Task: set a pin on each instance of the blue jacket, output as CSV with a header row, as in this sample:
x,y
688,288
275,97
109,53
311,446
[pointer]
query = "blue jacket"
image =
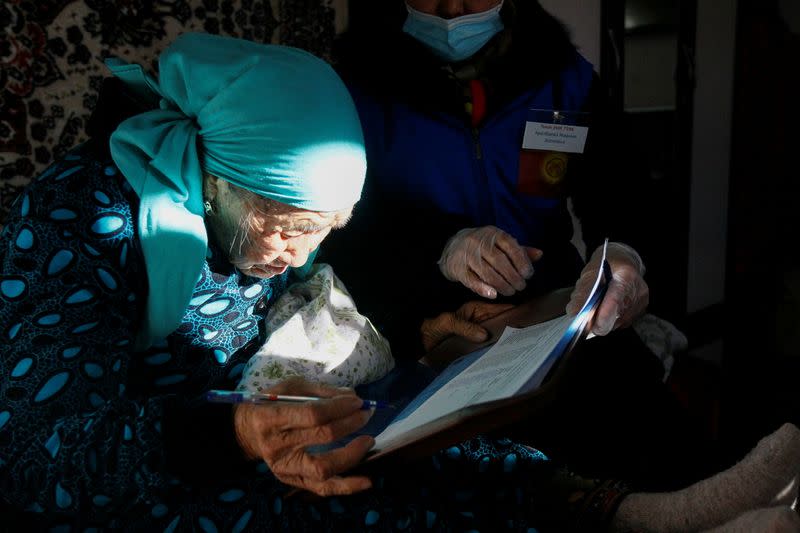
x,y
437,161
430,173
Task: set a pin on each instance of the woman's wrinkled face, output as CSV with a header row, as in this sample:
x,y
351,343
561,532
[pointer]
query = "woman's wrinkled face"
x,y
262,237
448,9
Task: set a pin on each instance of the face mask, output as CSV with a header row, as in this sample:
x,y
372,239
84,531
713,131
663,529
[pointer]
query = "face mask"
x,y
454,39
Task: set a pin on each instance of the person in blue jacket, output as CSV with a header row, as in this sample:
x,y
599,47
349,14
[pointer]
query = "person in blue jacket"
x,y
464,216
444,94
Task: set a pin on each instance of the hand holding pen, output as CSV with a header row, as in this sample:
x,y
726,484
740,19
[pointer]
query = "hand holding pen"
x,y
279,434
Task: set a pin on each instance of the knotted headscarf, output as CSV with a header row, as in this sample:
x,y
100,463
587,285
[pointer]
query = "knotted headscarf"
x,y
272,119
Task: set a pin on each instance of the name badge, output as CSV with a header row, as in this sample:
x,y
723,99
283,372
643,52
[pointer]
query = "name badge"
x,y
556,131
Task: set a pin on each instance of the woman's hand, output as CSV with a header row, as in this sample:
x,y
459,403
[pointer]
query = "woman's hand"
x,y
279,434
464,322
488,260
628,294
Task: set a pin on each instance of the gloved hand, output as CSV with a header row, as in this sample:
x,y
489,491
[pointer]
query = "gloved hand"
x,y
488,260
628,294
464,322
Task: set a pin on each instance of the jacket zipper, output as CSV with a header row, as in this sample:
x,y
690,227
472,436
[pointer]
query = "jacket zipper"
x,y
477,143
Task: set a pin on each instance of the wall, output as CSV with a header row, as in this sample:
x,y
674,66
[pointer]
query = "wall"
x,y
649,70
713,103
790,9
582,17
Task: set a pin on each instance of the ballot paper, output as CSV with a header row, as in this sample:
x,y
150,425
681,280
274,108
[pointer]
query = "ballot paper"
x,y
486,384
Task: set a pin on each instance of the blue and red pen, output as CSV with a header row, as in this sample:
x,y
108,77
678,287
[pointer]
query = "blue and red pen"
x,y
227,396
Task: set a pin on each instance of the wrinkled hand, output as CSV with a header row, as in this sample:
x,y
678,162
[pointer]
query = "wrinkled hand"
x,y
464,322
488,260
628,294
279,433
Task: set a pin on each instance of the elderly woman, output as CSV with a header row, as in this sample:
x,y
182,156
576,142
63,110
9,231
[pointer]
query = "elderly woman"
x,y
135,275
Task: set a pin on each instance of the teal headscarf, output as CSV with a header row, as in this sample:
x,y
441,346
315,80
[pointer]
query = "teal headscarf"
x,y
272,119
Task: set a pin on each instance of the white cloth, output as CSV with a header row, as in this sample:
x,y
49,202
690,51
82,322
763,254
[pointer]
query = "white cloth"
x,y
662,337
316,332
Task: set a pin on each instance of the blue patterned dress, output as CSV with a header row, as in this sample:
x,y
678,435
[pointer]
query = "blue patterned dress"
x,y
94,434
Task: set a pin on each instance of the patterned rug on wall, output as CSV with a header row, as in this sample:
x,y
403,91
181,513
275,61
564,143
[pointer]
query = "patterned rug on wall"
x,y
52,51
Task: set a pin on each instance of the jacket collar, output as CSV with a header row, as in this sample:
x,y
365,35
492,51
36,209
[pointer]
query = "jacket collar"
x,y
532,49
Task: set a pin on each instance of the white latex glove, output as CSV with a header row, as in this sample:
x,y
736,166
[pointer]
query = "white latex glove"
x,y
488,260
628,294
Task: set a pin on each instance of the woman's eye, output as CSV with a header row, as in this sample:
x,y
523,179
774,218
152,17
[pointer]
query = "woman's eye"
x,y
292,234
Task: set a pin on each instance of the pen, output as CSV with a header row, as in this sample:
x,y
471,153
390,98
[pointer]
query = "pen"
x,y
227,396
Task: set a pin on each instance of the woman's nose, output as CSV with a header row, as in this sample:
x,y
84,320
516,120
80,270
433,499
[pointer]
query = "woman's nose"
x,y
269,248
298,250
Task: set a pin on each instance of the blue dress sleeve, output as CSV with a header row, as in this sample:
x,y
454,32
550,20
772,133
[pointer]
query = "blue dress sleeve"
x,y
73,440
